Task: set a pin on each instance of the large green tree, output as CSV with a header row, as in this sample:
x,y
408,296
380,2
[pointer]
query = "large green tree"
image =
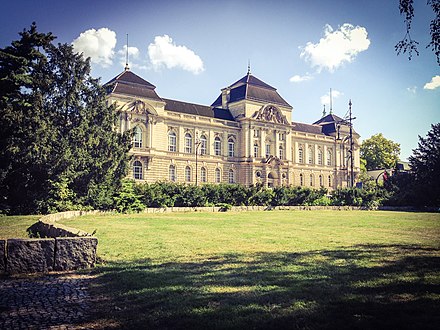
x,y
425,165
58,144
379,152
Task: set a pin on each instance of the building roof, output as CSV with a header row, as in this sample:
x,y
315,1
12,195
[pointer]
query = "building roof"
x,y
307,128
197,109
252,88
129,83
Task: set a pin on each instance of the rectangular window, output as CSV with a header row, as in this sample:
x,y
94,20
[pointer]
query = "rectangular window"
x,y
267,150
217,147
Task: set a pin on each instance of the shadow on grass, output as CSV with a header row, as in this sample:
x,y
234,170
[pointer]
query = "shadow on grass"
x,y
366,286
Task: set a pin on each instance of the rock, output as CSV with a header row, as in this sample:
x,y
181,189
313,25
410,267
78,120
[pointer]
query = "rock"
x,y
75,253
30,255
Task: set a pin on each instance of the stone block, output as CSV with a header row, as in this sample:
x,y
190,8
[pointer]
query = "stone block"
x,y
30,255
75,253
2,256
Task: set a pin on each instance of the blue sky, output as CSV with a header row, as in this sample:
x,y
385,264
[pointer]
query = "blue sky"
x,y
192,49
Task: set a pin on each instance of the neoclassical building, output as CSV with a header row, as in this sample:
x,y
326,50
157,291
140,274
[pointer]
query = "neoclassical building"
x,y
246,136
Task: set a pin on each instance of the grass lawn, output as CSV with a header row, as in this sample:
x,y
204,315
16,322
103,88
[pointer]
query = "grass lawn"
x,y
267,270
15,226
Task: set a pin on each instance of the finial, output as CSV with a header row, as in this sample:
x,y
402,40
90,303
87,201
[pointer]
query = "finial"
x,y
249,67
323,112
126,56
331,102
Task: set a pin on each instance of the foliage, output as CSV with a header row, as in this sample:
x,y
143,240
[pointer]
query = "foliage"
x,y
425,164
407,44
379,152
126,200
57,143
358,197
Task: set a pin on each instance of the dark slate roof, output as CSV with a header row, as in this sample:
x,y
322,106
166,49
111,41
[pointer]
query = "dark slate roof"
x,y
252,88
330,118
330,124
307,128
197,109
129,83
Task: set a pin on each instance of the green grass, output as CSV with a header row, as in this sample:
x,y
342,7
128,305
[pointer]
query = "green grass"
x,y
267,270
15,226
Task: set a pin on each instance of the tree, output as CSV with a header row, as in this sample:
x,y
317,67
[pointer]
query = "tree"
x,y
58,145
407,44
425,165
379,152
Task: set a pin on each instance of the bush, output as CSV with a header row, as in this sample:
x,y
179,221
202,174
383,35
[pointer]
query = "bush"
x,y
126,200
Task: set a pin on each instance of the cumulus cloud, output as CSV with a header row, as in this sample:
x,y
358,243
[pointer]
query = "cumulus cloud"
x,y
97,44
325,99
298,78
164,52
433,84
336,47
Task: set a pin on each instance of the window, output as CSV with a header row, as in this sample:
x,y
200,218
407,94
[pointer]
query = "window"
x,y
300,155
267,150
172,141
256,150
203,145
330,181
203,174
311,180
187,174
137,170
321,181
329,157
301,179
281,152
282,136
320,162
188,143
137,139
231,176
231,147
310,155
218,175
256,133
217,146
172,173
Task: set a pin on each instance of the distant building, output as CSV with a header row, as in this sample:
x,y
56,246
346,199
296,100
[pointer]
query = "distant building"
x,y
244,137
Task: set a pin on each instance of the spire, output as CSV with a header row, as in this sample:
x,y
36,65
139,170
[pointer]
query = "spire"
x,y
331,101
249,67
323,112
126,56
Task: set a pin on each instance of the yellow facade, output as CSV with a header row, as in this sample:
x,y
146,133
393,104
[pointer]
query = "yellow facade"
x,y
246,136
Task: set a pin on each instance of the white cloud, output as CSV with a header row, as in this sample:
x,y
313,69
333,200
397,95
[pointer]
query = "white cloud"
x,y
164,52
298,78
97,44
435,83
133,54
412,89
325,99
336,47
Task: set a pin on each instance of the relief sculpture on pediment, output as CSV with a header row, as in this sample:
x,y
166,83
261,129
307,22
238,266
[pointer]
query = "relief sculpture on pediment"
x,y
270,113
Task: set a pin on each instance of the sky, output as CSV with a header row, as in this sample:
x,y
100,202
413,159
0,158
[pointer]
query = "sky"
x,y
190,50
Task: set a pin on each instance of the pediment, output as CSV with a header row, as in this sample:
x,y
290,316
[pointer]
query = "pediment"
x,y
140,107
270,113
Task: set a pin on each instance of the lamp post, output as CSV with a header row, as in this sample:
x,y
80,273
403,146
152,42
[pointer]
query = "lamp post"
x,y
197,144
349,122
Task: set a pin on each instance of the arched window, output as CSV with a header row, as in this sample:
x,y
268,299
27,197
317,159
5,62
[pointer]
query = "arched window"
x,y
231,176
330,181
231,147
218,175
310,155
203,145
320,160
311,180
301,179
172,173
256,150
137,170
188,174
217,146
188,143
329,157
172,141
137,139
281,152
300,155
321,181
203,174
